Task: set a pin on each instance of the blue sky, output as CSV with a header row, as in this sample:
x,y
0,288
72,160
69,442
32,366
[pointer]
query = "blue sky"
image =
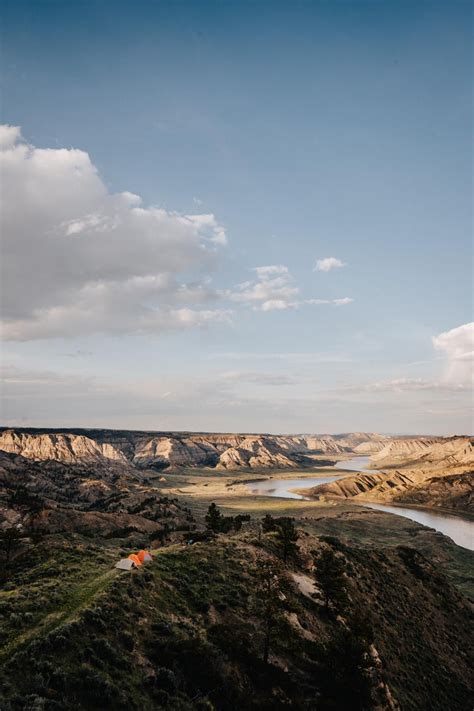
x,y
308,130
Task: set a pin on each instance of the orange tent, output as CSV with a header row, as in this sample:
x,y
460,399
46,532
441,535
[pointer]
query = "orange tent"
x,y
135,559
144,556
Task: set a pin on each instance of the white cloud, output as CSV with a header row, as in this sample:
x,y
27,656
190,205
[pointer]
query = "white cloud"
x,y
278,305
208,226
274,285
77,259
275,290
9,135
328,263
458,347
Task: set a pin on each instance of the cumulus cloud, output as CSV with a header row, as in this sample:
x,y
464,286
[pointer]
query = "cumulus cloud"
x,y
274,289
9,135
458,348
328,263
78,259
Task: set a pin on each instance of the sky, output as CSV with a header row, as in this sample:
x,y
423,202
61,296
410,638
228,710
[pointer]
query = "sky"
x,y
237,216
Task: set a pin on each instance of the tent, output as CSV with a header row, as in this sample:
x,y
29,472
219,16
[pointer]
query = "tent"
x,y
125,564
133,557
144,556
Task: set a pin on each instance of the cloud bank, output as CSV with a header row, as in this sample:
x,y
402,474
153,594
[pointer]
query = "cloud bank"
x,y
458,348
457,345
78,259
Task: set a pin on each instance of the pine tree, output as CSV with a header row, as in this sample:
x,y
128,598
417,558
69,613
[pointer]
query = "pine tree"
x,y
329,575
268,523
9,539
269,600
213,518
287,535
350,685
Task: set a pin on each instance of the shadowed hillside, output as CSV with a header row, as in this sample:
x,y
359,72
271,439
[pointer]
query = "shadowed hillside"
x,y
189,630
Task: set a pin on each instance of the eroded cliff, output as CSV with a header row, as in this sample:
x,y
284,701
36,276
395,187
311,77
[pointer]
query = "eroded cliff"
x,y
431,472
164,450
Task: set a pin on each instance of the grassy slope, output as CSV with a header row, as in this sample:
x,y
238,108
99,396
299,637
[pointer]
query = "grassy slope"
x,y
183,633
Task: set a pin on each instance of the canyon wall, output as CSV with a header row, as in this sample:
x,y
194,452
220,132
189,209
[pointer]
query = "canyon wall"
x,y
431,472
163,450
425,452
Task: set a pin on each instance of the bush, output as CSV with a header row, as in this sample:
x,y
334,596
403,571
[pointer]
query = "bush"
x,y
165,680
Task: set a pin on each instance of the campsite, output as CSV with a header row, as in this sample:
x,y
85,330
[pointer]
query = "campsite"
x,y
134,560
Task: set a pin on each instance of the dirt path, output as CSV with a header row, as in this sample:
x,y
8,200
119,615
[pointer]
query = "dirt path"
x,y
77,601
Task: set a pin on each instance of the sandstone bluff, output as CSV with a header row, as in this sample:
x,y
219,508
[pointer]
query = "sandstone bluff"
x,y
163,450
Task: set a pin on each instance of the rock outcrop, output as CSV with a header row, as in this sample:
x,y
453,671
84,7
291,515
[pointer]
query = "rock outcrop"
x,y
146,450
365,486
455,491
431,472
425,452
67,448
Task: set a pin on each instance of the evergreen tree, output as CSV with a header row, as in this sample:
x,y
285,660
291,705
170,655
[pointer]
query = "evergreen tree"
x,y
9,539
268,523
213,518
27,504
287,535
349,684
269,600
329,576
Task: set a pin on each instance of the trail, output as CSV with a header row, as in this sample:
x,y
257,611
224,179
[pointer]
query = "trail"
x,y
77,601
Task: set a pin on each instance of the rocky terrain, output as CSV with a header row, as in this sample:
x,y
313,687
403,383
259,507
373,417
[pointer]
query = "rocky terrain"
x,y
422,452
49,496
429,472
341,615
454,491
148,450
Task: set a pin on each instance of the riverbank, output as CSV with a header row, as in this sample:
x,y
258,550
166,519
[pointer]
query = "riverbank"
x,y
427,509
273,493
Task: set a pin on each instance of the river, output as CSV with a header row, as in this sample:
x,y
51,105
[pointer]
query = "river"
x,y
460,530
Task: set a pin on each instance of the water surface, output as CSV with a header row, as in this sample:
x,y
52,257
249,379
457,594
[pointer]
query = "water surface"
x,y
282,487
356,464
459,529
